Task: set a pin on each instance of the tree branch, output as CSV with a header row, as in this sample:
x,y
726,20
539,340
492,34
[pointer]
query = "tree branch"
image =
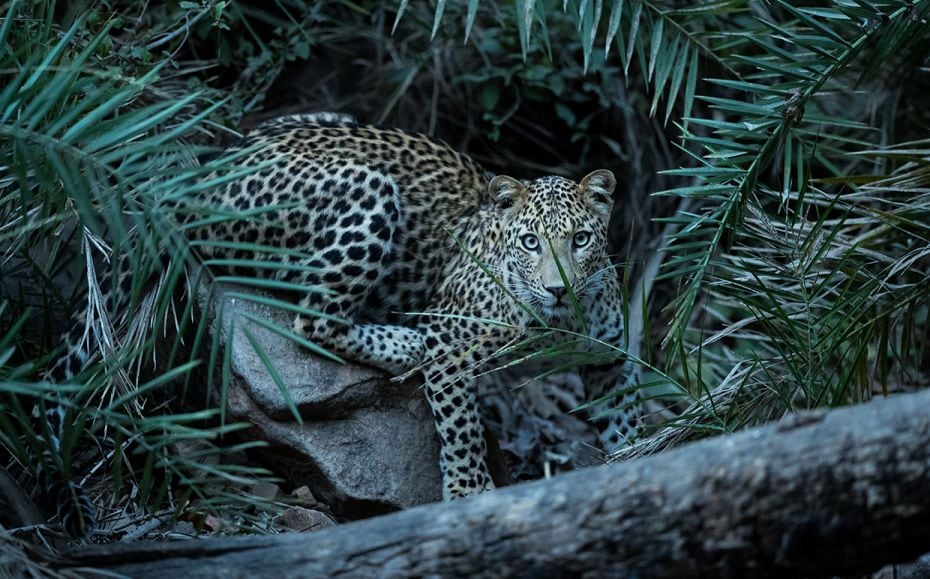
x,y
818,494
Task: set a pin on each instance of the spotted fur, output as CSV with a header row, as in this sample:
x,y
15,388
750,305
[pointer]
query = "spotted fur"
x,y
396,222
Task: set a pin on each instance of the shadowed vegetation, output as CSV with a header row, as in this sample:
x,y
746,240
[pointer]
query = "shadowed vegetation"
x,y
773,164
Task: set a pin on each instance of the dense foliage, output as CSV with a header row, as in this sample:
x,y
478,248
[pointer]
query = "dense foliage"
x,y
774,164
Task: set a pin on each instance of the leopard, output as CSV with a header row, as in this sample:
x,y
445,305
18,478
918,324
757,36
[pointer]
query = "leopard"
x,y
430,265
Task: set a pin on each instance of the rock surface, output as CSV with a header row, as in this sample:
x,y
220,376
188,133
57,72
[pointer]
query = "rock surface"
x,y
302,519
365,446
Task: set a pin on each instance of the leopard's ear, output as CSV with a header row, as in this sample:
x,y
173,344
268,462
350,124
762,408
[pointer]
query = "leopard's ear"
x,y
597,188
507,193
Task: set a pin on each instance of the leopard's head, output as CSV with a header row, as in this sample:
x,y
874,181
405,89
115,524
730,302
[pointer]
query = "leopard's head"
x,y
554,238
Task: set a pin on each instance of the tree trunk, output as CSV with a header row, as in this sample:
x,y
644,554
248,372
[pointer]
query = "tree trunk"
x,y
818,494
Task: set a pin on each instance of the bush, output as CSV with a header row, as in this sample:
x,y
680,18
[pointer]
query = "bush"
x,y
785,249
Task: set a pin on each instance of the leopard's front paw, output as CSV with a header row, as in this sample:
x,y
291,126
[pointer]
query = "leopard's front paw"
x,y
461,486
615,431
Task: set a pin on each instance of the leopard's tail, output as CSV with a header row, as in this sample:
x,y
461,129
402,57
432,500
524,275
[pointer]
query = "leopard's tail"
x,y
64,497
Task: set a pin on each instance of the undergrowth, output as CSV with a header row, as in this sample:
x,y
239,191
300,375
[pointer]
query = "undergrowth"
x,y
772,208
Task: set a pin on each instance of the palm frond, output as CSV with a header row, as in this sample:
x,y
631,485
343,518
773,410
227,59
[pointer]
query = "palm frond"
x,y
773,122
102,161
667,42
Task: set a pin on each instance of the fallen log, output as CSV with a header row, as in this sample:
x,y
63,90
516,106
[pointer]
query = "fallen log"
x,y
818,494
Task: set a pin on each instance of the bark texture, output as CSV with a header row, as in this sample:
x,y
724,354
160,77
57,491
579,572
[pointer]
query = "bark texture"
x,y
818,494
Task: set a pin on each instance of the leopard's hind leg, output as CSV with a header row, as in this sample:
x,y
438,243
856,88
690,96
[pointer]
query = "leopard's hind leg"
x,y
350,248
94,333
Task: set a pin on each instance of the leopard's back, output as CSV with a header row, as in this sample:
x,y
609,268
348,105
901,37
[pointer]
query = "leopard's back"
x,y
345,197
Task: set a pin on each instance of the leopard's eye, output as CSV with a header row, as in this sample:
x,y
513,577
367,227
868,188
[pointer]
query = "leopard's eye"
x,y
530,242
581,239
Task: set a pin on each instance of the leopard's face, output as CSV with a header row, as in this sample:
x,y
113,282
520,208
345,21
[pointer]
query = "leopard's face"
x,y
554,239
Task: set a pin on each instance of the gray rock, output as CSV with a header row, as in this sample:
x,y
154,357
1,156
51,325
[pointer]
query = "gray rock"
x,y
265,490
365,446
302,519
319,387
304,495
916,569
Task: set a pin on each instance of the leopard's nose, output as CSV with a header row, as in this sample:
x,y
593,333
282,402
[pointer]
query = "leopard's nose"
x,y
557,291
